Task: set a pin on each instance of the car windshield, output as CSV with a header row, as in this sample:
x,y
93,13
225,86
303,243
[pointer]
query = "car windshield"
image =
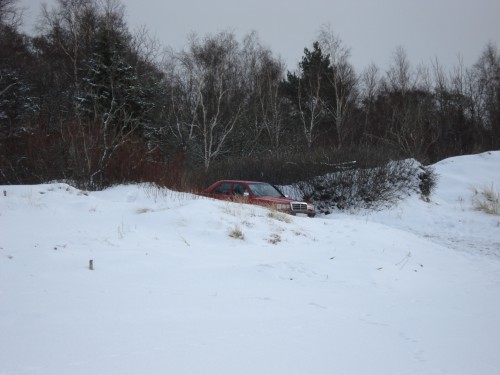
x,y
264,190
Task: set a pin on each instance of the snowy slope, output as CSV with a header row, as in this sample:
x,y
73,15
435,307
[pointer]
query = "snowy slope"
x,y
410,290
450,218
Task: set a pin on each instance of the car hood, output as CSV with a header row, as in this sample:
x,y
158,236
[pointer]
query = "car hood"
x,y
274,200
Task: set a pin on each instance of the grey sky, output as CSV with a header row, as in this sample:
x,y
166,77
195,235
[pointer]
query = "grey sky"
x,y
371,28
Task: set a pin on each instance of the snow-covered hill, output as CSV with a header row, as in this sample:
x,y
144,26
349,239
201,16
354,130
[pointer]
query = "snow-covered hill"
x,y
187,285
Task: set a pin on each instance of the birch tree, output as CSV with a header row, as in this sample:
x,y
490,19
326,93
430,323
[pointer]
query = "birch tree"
x,y
212,87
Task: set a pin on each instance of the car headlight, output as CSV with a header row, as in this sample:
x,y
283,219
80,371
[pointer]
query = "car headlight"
x,y
310,207
282,206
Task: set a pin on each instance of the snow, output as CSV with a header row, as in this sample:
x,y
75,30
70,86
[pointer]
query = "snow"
x,y
409,290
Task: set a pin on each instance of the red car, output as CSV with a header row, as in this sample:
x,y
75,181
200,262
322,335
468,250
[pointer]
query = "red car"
x,y
260,193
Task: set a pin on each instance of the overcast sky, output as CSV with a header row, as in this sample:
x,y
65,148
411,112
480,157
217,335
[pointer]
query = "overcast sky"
x,y
371,28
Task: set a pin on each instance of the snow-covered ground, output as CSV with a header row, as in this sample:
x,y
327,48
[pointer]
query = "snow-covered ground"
x,y
188,285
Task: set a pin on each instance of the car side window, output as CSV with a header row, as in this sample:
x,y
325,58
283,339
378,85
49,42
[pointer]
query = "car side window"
x,y
239,189
222,189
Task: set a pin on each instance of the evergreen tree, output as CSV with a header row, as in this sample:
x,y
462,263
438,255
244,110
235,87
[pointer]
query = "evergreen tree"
x,y
309,92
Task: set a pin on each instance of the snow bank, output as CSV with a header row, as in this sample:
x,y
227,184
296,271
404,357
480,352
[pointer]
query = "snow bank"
x,y
410,290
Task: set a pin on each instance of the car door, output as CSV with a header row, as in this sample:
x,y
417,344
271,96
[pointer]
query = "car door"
x,y
240,192
222,191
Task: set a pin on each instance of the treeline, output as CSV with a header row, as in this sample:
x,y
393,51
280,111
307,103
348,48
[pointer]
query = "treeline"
x,y
88,101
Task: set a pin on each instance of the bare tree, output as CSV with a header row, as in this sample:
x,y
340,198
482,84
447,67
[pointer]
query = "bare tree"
x,y
342,79
180,109
211,84
411,128
369,87
271,102
147,46
440,79
10,14
370,80
400,75
71,25
487,72
265,74
465,85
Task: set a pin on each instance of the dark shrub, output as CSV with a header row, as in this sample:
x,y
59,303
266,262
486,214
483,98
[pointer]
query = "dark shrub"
x,y
372,187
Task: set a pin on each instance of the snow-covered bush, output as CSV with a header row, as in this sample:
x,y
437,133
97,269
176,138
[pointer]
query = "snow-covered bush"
x,y
368,187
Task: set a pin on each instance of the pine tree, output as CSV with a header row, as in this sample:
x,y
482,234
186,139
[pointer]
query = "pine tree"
x,y
309,92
